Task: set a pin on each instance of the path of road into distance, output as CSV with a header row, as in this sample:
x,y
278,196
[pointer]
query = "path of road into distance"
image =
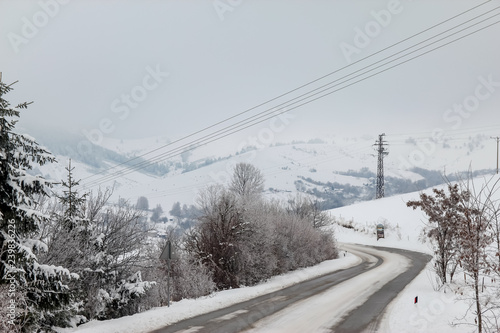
x,y
347,300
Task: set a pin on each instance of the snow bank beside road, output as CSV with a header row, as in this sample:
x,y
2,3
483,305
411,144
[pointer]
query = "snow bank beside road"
x,y
403,225
322,311
160,317
435,311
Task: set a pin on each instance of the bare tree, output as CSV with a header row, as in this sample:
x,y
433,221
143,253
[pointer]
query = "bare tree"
x,y
298,243
309,210
243,240
463,224
257,259
474,236
494,213
247,180
216,239
441,228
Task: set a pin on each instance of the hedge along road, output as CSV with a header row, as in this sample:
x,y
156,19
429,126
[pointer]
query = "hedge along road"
x,y
348,300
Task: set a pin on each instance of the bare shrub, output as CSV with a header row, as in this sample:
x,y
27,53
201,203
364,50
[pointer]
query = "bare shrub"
x,y
243,239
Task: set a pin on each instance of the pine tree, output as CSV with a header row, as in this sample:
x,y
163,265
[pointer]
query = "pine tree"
x,y
142,203
69,230
34,289
73,203
157,211
176,210
104,247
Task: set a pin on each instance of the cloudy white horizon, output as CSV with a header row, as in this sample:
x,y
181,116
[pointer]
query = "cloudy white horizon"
x,y
135,69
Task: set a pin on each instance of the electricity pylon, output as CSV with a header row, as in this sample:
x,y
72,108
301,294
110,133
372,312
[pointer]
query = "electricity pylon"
x,y
380,147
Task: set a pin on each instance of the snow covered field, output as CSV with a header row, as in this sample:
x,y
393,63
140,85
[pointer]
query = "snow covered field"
x,y
436,311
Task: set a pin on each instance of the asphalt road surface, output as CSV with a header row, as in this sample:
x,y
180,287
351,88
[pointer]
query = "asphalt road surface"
x,y
348,300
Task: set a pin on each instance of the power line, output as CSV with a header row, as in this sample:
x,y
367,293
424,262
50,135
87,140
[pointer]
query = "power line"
x,y
298,88
265,115
233,129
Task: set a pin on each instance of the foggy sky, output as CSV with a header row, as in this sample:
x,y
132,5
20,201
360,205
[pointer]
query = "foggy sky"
x,y
132,69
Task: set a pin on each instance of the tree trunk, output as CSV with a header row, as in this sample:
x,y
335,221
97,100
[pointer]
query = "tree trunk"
x,y
452,272
443,270
442,265
478,304
498,244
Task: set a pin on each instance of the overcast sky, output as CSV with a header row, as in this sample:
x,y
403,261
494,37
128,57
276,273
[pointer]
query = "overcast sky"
x,y
132,69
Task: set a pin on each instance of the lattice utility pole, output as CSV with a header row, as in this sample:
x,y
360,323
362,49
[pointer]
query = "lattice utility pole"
x,y
498,140
382,152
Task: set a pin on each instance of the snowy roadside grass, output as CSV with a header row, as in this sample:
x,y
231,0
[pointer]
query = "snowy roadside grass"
x,y
160,317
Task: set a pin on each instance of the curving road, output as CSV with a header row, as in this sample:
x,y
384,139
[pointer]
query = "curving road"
x,y
348,300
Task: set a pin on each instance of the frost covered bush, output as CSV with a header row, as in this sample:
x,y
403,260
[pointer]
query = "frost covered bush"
x,y
102,245
258,262
243,239
124,299
343,223
298,244
215,240
116,237
188,279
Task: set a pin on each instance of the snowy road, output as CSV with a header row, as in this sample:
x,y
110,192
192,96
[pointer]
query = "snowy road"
x,y
347,300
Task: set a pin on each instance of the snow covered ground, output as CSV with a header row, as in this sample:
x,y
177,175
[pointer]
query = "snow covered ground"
x,y
436,311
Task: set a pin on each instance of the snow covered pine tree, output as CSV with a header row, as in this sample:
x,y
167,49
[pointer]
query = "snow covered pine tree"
x,y
29,290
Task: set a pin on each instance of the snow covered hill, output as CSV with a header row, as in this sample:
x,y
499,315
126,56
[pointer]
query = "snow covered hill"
x,y
337,171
